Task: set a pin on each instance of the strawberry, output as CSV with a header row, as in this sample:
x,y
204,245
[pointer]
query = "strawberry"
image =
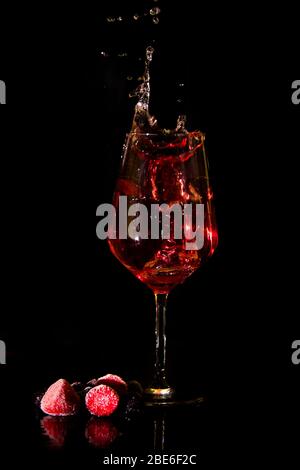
x,y
60,399
102,400
115,382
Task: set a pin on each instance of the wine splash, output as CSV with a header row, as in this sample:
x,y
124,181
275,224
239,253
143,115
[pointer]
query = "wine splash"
x,y
166,168
142,120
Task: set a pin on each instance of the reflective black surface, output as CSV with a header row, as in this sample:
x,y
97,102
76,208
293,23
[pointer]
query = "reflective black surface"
x,y
68,309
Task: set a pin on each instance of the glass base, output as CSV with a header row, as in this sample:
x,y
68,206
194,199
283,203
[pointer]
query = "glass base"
x,y
153,394
166,397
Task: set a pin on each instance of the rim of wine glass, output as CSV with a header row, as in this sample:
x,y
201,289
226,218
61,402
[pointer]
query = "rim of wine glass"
x,y
161,134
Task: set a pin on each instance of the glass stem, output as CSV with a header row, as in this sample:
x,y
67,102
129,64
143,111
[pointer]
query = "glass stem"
x,y
161,341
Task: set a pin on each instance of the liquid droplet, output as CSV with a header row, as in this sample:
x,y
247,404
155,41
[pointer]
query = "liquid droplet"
x,y
155,11
124,150
181,123
104,54
122,54
136,17
181,85
155,20
110,19
120,18
149,53
179,100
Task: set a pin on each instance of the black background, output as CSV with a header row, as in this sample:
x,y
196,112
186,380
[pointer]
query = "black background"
x,y
69,309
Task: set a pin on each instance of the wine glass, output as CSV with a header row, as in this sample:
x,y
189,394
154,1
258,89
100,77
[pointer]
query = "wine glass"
x,y
163,170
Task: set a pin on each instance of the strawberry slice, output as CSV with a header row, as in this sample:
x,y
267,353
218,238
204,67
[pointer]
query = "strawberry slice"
x,y
102,400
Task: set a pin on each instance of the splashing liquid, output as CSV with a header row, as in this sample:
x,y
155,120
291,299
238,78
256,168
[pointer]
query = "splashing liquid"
x,y
163,166
143,121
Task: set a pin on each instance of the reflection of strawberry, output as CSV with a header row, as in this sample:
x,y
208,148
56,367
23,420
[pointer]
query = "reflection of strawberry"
x,y
102,400
56,429
60,399
115,382
101,432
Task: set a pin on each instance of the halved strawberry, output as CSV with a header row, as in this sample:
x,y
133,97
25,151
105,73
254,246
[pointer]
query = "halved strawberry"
x,y
102,400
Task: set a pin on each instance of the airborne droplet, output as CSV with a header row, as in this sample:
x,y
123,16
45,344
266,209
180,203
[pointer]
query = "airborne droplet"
x,y
110,19
155,11
149,53
120,18
181,122
155,20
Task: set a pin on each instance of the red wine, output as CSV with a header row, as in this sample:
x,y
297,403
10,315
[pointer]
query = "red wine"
x,y
163,264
